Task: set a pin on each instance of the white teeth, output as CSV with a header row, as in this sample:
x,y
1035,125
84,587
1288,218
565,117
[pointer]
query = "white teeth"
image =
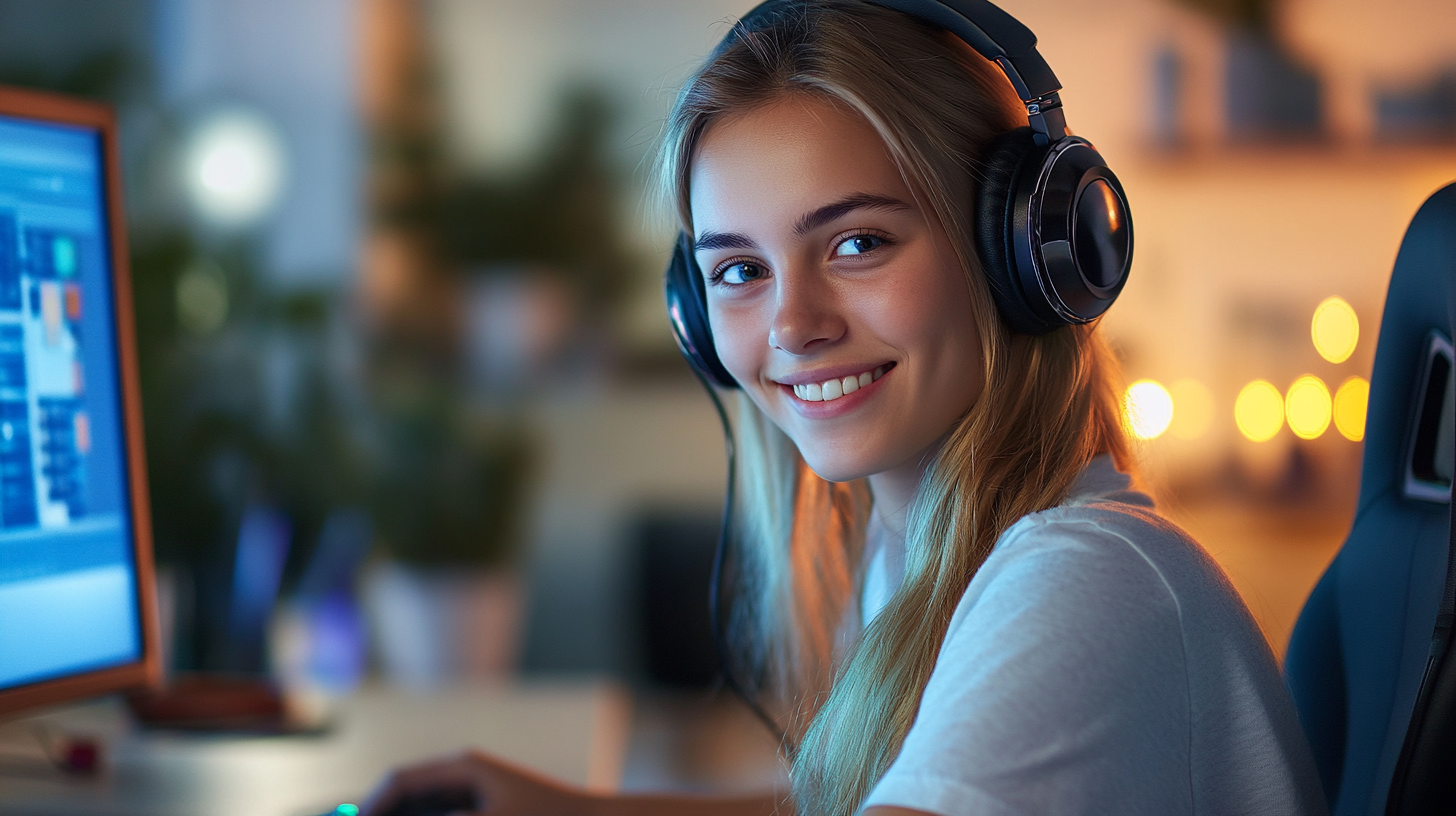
x,y
834,389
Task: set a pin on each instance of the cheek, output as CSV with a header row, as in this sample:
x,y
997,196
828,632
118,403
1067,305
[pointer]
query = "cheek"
x,y
739,340
935,323
933,313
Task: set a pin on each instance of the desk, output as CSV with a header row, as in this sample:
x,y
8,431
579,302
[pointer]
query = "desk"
x,y
573,731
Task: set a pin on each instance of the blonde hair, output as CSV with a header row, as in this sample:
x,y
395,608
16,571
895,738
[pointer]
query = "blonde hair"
x,y
1048,406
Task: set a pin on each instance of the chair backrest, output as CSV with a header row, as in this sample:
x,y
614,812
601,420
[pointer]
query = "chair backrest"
x,y
1360,648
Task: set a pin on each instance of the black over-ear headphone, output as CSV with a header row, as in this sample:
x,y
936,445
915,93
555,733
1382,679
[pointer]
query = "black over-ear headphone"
x,y
1052,223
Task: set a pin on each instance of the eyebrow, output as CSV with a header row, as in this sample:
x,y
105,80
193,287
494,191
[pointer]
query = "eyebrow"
x,y
710,240
845,206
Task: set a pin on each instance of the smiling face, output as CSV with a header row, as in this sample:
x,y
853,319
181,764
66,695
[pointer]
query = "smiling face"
x,y
835,300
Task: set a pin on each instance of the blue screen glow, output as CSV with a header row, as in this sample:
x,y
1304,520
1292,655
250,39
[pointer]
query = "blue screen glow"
x,y
67,579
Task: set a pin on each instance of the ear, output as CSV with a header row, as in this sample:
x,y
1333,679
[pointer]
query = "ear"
x,y
687,311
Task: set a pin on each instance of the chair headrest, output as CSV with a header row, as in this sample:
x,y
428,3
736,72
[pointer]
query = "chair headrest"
x,y
1421,300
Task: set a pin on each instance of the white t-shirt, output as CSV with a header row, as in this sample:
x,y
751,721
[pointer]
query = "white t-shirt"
x,y
1099,663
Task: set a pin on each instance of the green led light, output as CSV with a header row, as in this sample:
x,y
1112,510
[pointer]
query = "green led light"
x,y
347,810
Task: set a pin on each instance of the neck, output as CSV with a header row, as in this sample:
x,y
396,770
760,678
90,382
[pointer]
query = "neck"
x,y
894,490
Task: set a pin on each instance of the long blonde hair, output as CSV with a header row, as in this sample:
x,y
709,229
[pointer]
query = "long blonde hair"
x,y
1047,409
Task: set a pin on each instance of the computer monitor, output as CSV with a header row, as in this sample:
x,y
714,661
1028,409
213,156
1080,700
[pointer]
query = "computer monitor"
x,y
77,596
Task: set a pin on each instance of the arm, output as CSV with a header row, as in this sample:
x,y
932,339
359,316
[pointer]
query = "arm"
x,y
766,805
506,790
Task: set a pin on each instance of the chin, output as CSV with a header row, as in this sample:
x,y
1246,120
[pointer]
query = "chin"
x,y
836,466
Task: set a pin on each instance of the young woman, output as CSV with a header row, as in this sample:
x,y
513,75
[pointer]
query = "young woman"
x,y
948,594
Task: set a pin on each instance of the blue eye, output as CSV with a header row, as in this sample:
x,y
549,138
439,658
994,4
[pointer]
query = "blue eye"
x,y
859,244
738,273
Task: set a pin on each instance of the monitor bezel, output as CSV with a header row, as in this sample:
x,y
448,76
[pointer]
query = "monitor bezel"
x,y
147,671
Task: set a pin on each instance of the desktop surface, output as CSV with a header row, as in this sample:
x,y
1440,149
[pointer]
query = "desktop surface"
x,y
575,731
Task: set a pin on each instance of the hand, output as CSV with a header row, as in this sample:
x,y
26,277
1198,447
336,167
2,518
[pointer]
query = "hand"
x,y
502,789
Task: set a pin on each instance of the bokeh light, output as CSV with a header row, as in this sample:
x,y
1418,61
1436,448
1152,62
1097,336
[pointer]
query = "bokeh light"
x,y
202,298
1192,409
235,168
1307,407
1335,329
1259,411
1350,406
1147,409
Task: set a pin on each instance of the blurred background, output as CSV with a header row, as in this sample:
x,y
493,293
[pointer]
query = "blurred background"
x,y
413,412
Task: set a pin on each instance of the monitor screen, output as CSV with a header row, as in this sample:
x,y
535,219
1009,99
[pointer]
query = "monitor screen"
x,y
68,566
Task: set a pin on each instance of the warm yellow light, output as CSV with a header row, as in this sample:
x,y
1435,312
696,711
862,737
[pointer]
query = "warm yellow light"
x,y
1350,402
1335,329
1307,407
1147,408
1192,409
1259,411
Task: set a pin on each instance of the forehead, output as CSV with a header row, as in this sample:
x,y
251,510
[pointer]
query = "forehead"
x,y
784,159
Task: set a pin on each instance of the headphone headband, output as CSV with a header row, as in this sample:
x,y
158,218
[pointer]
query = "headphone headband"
x,y
987,29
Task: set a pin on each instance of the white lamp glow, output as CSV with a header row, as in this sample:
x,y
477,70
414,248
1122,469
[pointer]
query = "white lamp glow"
x,y
1147,409
234,168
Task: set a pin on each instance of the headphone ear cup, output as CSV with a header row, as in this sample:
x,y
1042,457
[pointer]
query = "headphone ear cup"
x,y
688,315
1006,159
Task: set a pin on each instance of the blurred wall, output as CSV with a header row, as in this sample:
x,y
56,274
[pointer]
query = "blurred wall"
x,y
294,63
52,32
610,458
505,66
612,452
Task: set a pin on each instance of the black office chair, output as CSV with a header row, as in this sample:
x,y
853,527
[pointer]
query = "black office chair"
x,y
1372,679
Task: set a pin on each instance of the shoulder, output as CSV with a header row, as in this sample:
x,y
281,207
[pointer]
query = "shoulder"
x,y
1096,579
1119,527
1103,547
1103,505
1102,578
1110,544
1104,519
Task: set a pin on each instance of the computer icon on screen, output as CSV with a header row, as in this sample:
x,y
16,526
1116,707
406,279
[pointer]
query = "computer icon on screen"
x,y
77,607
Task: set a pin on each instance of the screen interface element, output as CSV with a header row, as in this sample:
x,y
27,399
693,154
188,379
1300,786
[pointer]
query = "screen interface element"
x,y
68,589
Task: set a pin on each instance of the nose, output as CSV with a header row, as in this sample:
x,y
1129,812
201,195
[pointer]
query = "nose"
x,y
806,314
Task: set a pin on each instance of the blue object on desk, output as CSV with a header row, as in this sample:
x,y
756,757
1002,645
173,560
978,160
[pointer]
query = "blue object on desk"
x,y
263,540
328,606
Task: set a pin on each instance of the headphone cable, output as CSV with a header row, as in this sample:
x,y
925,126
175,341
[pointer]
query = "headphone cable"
x,y
715,583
